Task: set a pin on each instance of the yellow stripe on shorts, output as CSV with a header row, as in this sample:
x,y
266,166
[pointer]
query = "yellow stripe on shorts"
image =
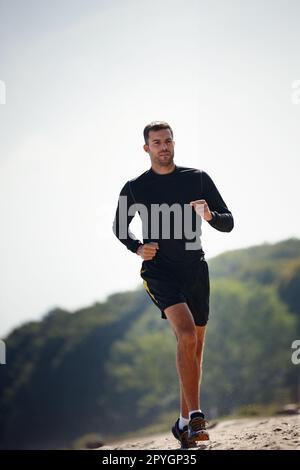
x,y
148,290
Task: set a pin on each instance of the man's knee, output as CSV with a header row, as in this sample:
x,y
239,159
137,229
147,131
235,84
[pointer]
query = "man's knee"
x,y
187,337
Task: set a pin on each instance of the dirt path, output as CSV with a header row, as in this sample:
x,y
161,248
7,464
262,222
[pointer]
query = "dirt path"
x,y
258,433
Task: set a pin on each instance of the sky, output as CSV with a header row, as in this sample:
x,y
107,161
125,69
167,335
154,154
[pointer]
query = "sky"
x,y
79,80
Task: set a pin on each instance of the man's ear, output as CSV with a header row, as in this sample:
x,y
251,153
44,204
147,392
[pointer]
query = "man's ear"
x,y
146,148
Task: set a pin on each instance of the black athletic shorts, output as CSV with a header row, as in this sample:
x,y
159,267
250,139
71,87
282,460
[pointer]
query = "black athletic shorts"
x,y
168,286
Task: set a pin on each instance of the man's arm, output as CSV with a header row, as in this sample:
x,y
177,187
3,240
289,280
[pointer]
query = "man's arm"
x,y
122,220
222,219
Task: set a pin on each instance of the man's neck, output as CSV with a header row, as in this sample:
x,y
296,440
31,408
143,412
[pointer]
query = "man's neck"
x,y
163,170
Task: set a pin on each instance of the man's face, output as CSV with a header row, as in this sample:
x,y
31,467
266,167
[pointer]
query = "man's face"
x,y
160,147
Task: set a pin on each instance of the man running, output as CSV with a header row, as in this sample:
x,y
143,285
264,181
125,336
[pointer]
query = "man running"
x,y
172,200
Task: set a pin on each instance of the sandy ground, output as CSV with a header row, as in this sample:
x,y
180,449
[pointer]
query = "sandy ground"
x,y
252,433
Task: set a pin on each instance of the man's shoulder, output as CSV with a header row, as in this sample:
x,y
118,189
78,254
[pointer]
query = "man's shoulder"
x,y
188,170
193,173
140,178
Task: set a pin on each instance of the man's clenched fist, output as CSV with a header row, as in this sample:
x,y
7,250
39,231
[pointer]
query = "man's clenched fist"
x,y
148,250
201,207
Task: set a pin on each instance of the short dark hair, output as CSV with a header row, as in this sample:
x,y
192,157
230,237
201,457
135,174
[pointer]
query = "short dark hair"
x,y
156,126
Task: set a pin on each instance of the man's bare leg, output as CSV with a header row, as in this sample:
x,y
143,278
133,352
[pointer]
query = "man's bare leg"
x,y
199,355
182,322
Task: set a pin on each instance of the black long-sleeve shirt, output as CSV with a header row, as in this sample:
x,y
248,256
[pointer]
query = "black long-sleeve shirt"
x,y
179,187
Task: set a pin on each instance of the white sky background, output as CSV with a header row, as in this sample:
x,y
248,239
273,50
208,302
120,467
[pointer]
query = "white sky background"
x,y
82,80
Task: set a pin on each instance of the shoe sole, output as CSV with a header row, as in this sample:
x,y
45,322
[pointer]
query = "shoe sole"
x,y
201,436
192,443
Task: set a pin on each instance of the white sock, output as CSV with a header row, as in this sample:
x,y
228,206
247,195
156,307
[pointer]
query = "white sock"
x,y
194,411
182,422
